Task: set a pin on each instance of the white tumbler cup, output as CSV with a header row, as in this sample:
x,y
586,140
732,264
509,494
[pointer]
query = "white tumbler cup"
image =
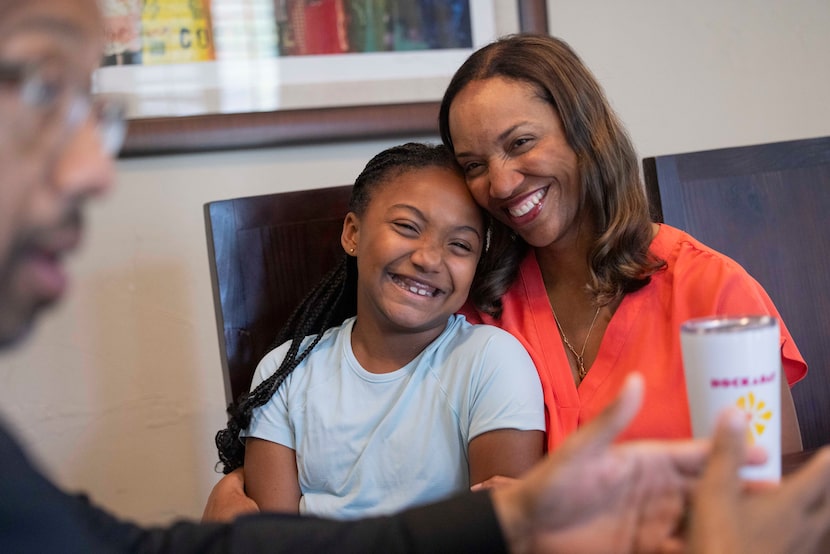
x,y
736,361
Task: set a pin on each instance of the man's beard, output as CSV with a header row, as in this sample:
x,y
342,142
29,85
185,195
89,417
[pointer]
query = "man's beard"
x,y
18,313
16,334
16,321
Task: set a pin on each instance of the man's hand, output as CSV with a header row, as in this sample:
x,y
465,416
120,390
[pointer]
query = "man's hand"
x,y
729,516
228,500
594,496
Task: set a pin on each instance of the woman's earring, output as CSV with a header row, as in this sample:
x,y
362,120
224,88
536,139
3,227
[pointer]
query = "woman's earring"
x,y
351,250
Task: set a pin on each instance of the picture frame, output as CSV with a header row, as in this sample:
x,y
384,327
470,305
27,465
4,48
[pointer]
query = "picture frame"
x,y
279,127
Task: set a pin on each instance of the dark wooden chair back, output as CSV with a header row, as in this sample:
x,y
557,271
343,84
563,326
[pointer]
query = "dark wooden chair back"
x,y
767,207
266,253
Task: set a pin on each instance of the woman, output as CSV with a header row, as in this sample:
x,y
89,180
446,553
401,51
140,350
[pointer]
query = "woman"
x,y
592,288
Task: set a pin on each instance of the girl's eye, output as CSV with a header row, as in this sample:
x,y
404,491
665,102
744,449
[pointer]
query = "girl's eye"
x,y
462,246
405,227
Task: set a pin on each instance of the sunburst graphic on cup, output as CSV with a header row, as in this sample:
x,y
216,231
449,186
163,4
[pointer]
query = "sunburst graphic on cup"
x,y
757,414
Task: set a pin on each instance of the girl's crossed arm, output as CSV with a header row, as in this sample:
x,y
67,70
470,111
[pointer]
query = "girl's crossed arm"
x,y
504,453
271,476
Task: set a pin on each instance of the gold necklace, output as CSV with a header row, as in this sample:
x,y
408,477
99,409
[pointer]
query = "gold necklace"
x,y
580,358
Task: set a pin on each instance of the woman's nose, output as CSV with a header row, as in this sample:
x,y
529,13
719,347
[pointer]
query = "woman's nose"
x,y
504,179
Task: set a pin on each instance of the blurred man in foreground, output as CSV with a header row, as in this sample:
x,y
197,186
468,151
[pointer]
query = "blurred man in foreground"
x,y
56,149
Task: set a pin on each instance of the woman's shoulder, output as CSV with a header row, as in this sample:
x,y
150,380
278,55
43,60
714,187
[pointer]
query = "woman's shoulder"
x,y
680,249
699,274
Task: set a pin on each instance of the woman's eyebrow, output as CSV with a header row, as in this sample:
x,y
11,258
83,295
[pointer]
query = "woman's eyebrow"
x,y
499,139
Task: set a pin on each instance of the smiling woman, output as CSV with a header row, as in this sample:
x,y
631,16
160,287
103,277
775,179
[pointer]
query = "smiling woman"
x,y
379,396
544,153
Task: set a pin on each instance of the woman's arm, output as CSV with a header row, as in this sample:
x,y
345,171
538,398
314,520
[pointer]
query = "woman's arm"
x,y
227,500
271,476
790,431
504,452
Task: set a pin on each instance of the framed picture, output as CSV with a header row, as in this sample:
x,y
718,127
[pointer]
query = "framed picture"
x,y
191,83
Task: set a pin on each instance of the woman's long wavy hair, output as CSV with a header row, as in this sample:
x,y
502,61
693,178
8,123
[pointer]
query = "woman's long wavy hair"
x,y
611,186
333,299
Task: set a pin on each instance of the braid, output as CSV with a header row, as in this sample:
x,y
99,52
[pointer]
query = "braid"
x,y
317,310
322,308
333,300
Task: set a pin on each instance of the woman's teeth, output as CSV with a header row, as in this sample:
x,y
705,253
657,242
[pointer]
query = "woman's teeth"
x,y
527,205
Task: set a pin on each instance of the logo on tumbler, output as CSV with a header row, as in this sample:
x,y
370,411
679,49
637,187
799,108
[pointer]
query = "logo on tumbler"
x,y
741,381
757,414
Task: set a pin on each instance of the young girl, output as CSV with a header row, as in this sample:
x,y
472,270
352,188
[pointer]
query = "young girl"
x,y
404,402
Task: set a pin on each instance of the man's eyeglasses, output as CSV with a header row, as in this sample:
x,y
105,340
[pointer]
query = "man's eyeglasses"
x,y
45,88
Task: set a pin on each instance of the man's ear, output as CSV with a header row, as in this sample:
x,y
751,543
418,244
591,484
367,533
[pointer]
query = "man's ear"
x,y
350,234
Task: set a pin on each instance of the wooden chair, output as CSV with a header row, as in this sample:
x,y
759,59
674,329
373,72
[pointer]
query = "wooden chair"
x,y
768,207
266,252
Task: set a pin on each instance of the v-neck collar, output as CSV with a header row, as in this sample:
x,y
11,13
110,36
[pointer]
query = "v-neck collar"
x,y
616,334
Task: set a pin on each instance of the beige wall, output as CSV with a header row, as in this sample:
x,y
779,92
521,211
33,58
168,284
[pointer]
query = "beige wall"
x,y
689,76
119,392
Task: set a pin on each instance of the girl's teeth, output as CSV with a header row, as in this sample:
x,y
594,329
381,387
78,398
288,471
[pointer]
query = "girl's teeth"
x,y
421,291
